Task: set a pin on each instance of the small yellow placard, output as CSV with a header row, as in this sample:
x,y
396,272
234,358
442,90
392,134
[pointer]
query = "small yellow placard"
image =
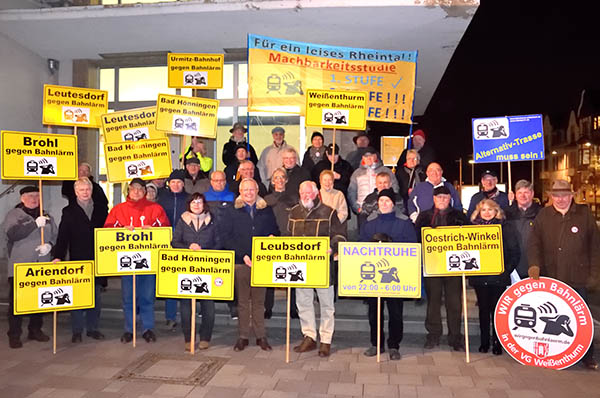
x,y
38,156
391,149
74,106
131,125
187,115
203,71
120,251
290,261
200,274
379,269
470,249
49,287
146,159
336,109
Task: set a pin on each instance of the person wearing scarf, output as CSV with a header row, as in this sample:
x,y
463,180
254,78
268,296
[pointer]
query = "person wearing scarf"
x,y
315,153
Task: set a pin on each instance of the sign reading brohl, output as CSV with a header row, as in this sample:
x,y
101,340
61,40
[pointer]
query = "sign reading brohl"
x,y
508,138
544,323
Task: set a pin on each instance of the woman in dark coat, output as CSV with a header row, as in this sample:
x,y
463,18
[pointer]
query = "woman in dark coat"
x,y
489,288
314,153
196,230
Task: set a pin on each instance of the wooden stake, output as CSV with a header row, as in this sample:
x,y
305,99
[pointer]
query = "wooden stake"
x,y
42,242
378,327
75,130
133,314
41,210
464,294
333,151
287,326
509,178
54,332
193,336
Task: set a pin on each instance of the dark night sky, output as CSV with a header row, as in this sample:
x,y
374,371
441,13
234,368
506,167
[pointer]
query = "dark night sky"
x,y
516,57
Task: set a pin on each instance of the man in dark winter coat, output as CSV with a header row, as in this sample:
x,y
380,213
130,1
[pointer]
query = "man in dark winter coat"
x,y
442,214
76,237
247,169
370,205
295,174
410,173
237,137
342,170
250,216
489,190
98,196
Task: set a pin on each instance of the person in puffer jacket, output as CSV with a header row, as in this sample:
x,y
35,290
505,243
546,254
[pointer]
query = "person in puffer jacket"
x,y
362,181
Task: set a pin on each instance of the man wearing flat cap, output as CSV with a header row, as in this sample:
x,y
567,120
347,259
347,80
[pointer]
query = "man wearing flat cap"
x,y
22,225
489,190
195,180
238,132
565,245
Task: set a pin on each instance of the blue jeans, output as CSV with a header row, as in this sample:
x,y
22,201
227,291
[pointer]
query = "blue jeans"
x,y
145,291
92,315
171,309
207,309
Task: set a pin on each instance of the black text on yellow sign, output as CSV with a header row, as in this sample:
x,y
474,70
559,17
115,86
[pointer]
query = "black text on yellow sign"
x,y
122,252
131,125
200,274
74,106
471,249
290,261
38,156
200,71
187,115
146,159
336,109
379,269
48,287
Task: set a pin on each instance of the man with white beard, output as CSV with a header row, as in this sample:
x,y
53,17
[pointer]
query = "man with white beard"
x,y
310,217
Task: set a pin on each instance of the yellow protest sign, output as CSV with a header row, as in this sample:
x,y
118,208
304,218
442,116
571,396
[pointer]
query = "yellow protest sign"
x,y
74,106
131,125
337,109
38,156
204,71
379,269
187,115
290,261
120,251
201,274
470,249
49,287
146,159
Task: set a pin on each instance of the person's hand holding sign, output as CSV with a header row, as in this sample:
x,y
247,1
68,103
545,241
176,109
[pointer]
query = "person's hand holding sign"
x,y
195,246
247,261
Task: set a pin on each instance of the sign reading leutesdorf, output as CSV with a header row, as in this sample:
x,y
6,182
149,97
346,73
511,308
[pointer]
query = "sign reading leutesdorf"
x,y
202,71
130,125
337,109
37,156
74,106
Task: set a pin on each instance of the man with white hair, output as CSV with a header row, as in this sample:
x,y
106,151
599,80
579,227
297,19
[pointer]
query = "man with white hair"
x,y
310,217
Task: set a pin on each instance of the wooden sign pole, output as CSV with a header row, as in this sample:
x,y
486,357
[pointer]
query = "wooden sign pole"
x,y
378,328
333,152
287,326
133,313
193,323
464,295
54,313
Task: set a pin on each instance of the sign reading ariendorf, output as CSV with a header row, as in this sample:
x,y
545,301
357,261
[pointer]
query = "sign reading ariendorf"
x,y
48,287
379,269
200,274
38,156
469,249
120,251
544,323
146,159
290,261
74,106
337,109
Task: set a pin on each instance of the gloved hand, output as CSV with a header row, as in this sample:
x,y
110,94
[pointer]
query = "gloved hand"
x,y
534,272
41,221
43,249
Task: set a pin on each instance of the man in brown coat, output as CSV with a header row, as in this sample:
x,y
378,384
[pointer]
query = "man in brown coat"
x,y
310,217
565,244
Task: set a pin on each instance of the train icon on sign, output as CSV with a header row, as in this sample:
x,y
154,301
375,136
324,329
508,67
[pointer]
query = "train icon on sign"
x,y
55,296
40,166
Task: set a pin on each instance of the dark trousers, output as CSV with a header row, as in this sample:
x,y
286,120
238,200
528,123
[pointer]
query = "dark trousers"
x,y
487,298
583,293
207,309
395,323
90,317
15,321
451,287
270,299
251,304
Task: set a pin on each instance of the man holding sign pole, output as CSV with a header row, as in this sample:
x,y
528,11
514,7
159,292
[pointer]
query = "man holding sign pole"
x,y
23,226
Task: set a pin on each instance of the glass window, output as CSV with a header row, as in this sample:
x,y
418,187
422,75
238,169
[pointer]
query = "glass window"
x,y
107,82
227,91
243,81
143,84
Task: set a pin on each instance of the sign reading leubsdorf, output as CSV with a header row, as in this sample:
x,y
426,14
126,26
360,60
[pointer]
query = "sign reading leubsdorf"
x,y
544,323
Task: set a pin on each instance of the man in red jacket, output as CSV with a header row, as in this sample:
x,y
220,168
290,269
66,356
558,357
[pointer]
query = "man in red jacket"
x,y
138,212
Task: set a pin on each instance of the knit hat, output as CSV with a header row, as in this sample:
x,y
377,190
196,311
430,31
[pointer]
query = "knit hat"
x,y
28,189
489,173
369,151
177,174
419,133
329,149
389,193
443,190
192,160
138,181
316,134
241,145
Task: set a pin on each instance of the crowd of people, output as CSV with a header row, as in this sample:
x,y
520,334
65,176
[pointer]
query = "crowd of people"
x,y
276,195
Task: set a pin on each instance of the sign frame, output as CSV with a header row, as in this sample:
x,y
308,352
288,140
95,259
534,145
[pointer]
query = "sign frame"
x,y
94,120
152,132
164,119
112,165
194,65
317,115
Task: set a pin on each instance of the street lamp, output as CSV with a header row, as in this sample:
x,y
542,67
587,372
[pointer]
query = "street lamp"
x,y
472,163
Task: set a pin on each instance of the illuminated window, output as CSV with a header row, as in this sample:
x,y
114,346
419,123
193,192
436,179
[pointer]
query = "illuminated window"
x,y
107,82
143,84
227,91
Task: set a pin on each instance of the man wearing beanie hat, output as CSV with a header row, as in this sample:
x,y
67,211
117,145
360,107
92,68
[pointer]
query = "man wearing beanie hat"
x,y
195,179
314,153
342,171
489,190
174,203
442,214
238,132
22,226
369,208
241,154
271,157
398,230
426,152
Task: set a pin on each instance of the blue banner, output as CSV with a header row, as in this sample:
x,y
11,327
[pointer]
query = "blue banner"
x,y
508,138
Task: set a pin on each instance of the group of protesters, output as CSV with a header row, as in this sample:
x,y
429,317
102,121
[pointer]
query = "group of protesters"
x,y
275,194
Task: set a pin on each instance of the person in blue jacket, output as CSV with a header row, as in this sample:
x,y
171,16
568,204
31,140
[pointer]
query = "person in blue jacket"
x,y
489,190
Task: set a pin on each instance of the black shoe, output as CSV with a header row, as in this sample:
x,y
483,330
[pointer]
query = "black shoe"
x,y
294,315
458,346
126,337
590,363
372,351
431,342
240,344
96,335
234,314
395,354
497,348
76,338
149,336
15,342
37,335
268,314
484,347
263,344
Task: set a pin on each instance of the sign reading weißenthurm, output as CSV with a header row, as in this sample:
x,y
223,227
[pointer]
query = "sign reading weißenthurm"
x,y
508,138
